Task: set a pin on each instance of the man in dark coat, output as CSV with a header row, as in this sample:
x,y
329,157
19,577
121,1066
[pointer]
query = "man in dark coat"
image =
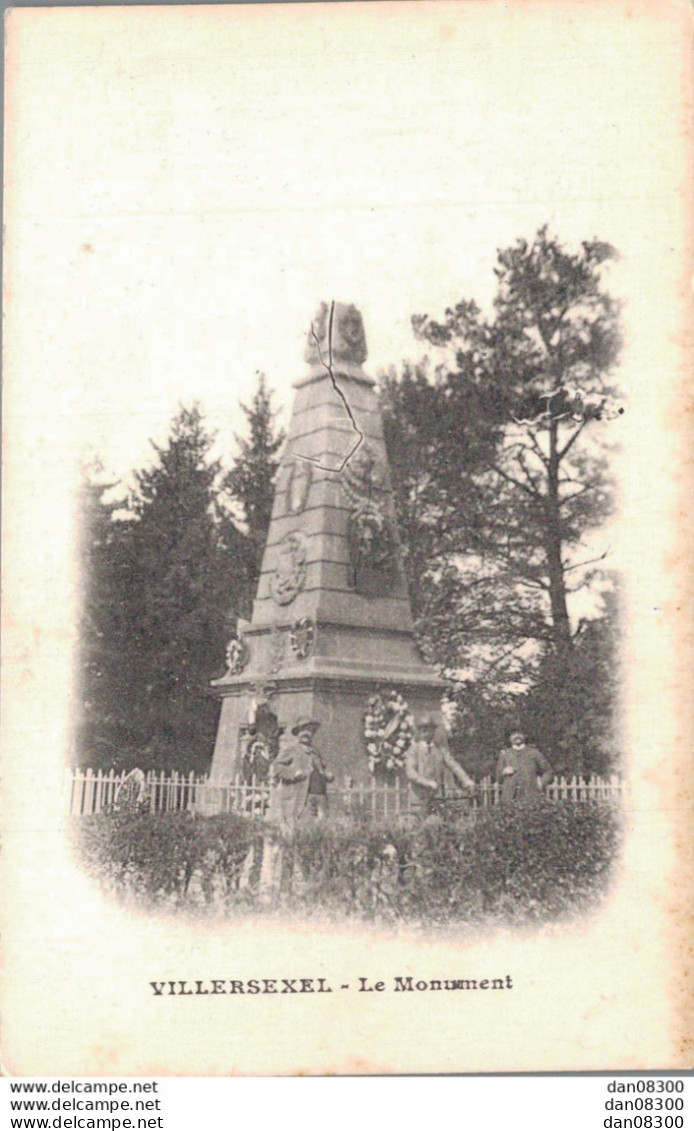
x,y
518,768
300,778
300,786
431,769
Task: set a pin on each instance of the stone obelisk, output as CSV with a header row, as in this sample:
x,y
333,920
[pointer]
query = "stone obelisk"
x,y
331,623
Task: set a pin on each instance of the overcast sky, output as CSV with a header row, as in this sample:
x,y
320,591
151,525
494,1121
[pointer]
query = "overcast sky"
x,y
186,185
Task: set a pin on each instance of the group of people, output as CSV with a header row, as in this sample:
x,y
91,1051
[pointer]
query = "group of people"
x,y
301,777
300,788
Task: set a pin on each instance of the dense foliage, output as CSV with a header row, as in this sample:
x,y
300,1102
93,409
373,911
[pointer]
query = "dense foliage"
x,y
167,575
499,451
251,481
520,864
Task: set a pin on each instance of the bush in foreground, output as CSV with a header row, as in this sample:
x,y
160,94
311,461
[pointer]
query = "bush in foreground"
x,y
517,864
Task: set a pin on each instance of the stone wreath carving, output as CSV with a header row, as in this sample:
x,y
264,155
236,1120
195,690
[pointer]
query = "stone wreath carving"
x,y
301,637
289,577
236,656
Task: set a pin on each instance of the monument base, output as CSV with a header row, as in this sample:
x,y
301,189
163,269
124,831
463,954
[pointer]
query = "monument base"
x,y
339,707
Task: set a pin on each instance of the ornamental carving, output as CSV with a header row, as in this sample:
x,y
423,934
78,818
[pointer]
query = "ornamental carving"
x,y
289,577
236,656
364,477
298,485
371,541
301,637
336,334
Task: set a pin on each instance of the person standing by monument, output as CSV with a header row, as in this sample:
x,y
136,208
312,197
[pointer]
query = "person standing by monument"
x,y
301,778
319,777
431,769
518,769
300,787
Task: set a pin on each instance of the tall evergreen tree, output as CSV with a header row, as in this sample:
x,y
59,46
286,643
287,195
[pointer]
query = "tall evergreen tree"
x,y
104,549
500,458
191,569
252,478
164,585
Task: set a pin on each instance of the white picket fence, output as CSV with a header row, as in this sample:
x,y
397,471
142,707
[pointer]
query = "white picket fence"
x,y
95,791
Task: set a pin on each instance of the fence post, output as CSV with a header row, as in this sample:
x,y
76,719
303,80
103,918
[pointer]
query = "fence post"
x,y
100,790
89,792
74,779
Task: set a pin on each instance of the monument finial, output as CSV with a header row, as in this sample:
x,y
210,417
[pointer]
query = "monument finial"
x,y
336,334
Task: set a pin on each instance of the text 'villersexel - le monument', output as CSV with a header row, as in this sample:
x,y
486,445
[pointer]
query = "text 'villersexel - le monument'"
x,y
331,625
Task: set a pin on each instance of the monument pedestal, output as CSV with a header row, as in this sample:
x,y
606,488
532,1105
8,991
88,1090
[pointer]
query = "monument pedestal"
x,y
331,624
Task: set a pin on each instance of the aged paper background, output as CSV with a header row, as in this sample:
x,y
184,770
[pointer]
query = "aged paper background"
x,y
115,285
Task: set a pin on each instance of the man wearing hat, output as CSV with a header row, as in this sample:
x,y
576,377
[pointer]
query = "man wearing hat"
x,y
431,769
518,769
300,786
301,777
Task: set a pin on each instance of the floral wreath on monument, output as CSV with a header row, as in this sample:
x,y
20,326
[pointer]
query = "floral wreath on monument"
x,y
388,730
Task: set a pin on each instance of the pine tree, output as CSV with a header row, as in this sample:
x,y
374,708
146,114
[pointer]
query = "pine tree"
x,y
104,561
251,480
500,458
163,589
191,574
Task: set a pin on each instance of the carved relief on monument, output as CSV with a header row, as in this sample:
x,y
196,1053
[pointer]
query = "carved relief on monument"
x,y
301,637
370,536
236,656
289,577
363,477
371,542
336,333
298,485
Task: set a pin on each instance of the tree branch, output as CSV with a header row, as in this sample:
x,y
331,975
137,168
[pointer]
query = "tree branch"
x,y
577,494
571,441
589,561
538,449
528,476
515,482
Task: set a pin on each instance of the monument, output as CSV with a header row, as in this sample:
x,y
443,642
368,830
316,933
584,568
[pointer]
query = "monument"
x,y
331,633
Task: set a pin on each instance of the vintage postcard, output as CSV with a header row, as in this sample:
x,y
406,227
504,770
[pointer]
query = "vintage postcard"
x,y
347,534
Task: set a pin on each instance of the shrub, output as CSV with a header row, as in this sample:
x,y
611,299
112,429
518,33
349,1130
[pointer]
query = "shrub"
x,y
154,857
520,864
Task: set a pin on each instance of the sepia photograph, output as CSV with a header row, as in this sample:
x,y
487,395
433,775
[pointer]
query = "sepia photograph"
x,y
345,538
